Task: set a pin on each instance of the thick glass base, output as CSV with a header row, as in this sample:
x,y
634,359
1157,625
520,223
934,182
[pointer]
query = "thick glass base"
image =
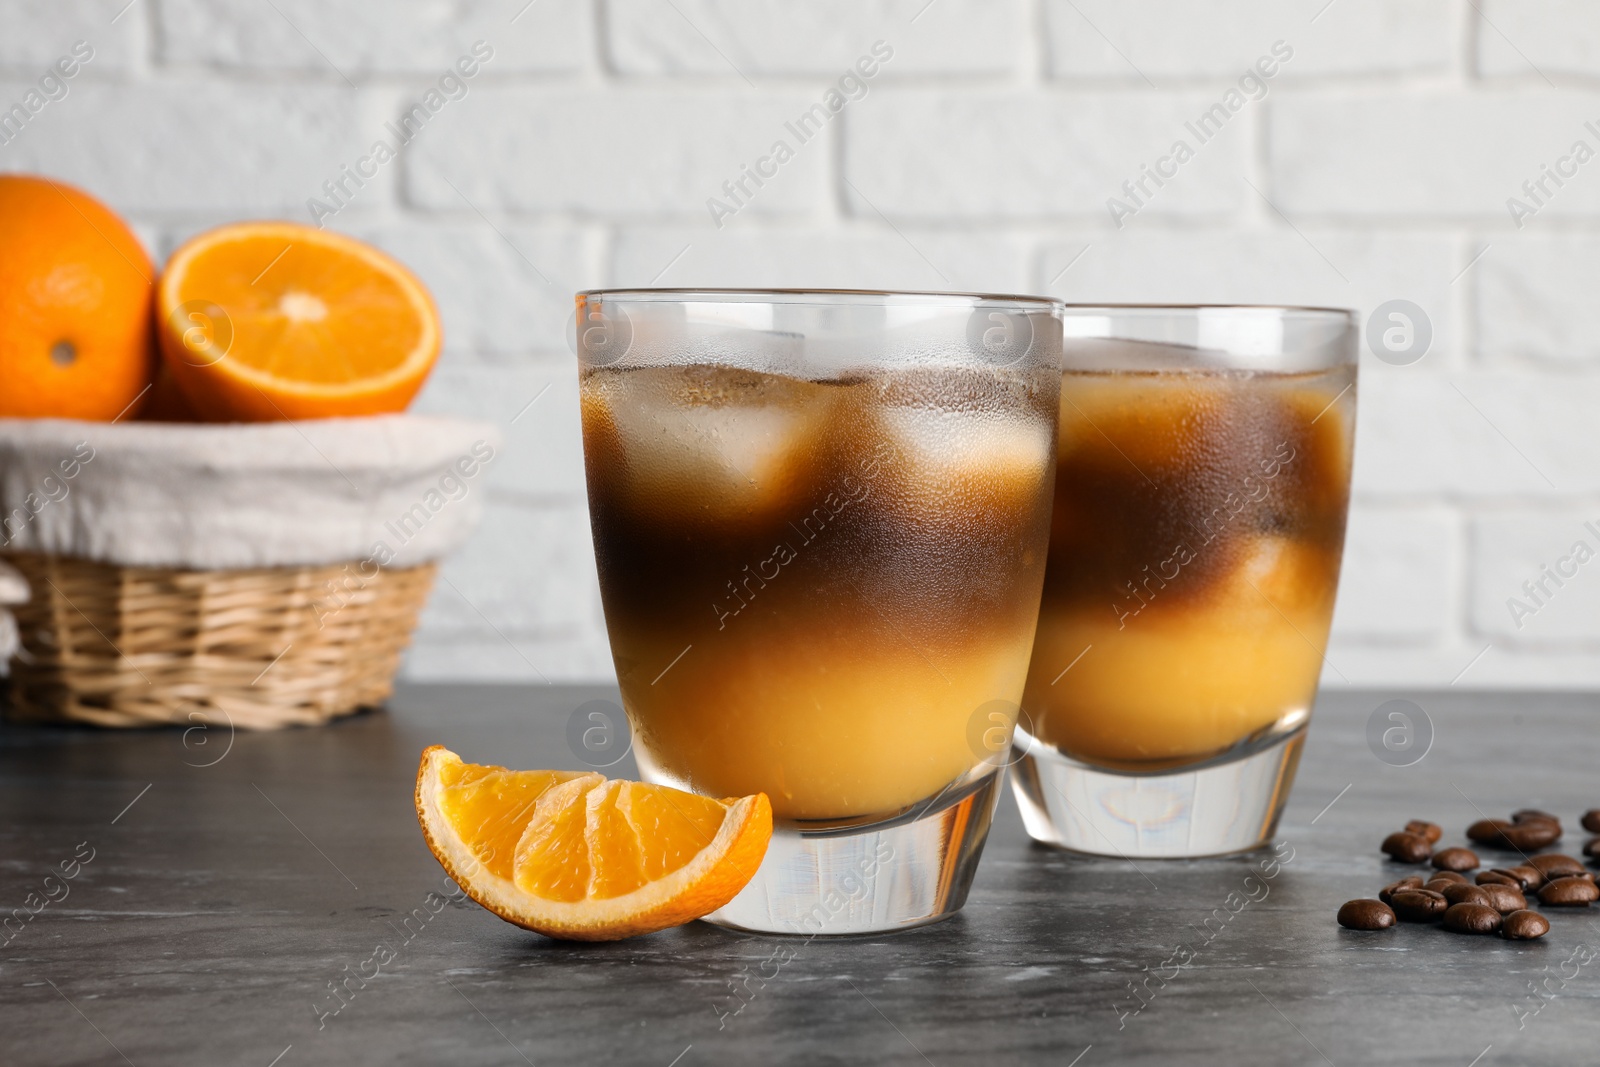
x,y
1228,804
867,878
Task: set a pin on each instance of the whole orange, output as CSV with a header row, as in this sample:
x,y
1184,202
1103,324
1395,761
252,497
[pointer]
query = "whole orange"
x,y
77,293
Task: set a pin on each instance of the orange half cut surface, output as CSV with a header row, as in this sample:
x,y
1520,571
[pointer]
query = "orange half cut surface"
x,y
575,855
274,320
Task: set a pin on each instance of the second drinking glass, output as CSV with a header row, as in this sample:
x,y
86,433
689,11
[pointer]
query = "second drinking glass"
x,y
821,522
1203,480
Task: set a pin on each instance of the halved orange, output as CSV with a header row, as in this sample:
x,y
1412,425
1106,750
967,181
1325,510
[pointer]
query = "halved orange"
x,y
274,320
576,856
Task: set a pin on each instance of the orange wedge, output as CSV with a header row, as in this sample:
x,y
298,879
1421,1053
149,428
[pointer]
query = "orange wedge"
x,y
576,856
273,320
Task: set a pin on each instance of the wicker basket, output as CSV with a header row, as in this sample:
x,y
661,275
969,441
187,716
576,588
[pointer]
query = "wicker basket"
x,y
256,649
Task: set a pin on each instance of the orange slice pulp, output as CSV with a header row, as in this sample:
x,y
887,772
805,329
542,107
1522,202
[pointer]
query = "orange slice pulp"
x,y
573,855
273,320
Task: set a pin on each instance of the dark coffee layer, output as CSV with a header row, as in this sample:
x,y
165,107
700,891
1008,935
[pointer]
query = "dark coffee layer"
x,y
909,493
1167,480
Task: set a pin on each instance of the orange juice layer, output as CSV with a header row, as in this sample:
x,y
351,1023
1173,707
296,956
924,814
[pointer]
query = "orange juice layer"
x,y
1183,683
854,724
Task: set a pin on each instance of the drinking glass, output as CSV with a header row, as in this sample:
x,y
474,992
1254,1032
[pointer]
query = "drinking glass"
x,y
820,522
1202,482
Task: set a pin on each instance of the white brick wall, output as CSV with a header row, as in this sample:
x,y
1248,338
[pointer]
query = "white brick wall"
x,y
1135,39
1376,166
184,146
1425,155
351,39
634,153
759,38
971,155
35,35
1539,37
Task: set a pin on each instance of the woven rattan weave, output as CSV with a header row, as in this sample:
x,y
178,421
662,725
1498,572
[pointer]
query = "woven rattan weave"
x,y
255,649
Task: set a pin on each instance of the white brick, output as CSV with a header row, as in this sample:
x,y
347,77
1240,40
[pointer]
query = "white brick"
x,y
353,37
625,153
824,37
499,292
1536,300
1520,594
526,571
536,407
1530,37
875,258
1142,264
194,147
1180,39
1477,435
36,35
1433,155
1397,583
940,155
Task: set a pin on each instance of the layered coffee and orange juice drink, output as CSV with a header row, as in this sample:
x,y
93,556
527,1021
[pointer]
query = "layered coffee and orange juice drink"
x,y
1194,555
811,586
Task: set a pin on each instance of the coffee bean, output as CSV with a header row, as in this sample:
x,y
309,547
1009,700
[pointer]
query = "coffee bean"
x,y
1417,905
1407,848
1569,893
1530,877
1592,848
1504,898
1524,926
1535,815
1471,919
1430,830
1556,865
1412,882
1465,893
1591,820
1365,915
1455,859
1447,876
1497,877
1530,834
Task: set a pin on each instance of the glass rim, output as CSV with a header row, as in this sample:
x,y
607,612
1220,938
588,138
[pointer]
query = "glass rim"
x,y
1347,314
925,297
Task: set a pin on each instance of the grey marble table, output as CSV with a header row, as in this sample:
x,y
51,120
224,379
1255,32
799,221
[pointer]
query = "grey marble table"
x,y
220,887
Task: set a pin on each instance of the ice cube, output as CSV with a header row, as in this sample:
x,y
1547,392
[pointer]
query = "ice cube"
x,y
714,440
957,445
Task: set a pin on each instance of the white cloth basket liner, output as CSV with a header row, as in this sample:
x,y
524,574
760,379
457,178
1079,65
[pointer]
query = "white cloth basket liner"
x,y
243,495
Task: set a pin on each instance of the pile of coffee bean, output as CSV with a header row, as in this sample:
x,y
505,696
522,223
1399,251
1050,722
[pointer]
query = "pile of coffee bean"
x,y
1497,898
